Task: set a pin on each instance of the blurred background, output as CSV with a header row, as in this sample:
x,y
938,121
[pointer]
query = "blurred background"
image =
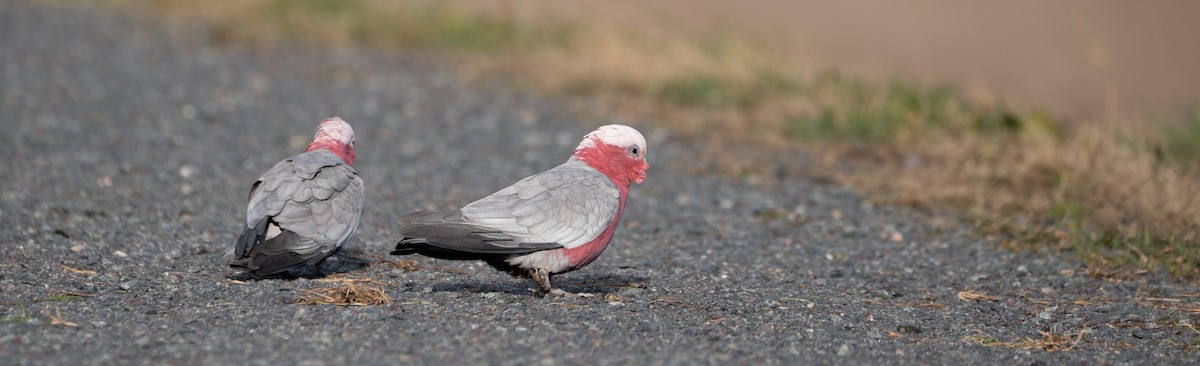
x,y
1063,124
1085,60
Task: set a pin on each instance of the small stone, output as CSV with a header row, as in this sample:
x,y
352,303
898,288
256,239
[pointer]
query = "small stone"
x,y
188,111
186,171
142,342
120,254
489,295
726,203
104,182
1048,313
186,189
843,350
910,329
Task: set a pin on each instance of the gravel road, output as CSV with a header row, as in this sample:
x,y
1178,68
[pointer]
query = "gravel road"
x,y
128,147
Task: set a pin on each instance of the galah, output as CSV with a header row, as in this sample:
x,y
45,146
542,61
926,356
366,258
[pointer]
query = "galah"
x,y
304,209
552,222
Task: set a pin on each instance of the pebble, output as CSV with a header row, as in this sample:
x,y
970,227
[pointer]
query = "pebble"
x,y
186,171
843,350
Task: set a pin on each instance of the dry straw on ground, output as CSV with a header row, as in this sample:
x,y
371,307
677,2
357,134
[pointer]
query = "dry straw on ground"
x,y
350,293
69,269
57,319
971,295
1050,341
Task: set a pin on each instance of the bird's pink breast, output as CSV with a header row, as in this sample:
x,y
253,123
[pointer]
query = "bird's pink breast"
x,y
582,255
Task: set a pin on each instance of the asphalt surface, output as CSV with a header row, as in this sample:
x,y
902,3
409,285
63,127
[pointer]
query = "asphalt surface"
x,y
128,147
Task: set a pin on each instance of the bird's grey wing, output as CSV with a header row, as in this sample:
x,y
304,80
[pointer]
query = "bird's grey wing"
x,y
315,197
324,209
454,237
569,205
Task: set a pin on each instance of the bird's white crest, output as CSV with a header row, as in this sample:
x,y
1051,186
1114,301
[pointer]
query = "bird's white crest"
x,y
337,129
617,135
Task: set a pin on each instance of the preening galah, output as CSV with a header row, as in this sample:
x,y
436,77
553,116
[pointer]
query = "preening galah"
x,y
304,209
552,222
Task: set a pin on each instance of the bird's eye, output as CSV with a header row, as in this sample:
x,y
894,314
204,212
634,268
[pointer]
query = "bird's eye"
x,y
633,150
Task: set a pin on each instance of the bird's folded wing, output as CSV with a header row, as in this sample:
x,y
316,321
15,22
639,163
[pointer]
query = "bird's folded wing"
x,y
313,195
569,205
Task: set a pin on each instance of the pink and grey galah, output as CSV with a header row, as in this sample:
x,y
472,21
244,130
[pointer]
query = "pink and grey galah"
x,y
304,209
552,222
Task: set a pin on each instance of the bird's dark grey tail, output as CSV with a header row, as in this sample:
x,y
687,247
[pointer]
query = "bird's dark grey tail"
x,y
408,246
265,258
250,237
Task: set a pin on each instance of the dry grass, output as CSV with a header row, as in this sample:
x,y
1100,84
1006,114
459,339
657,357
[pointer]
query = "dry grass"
x,y
350,293
1119,199
69,269
970,295
1050,341
57,319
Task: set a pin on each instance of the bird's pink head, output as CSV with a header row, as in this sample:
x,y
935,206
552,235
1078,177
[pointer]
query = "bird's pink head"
x,y
618,151
335,135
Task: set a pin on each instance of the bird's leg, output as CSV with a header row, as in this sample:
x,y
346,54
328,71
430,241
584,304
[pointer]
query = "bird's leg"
x,y
542,277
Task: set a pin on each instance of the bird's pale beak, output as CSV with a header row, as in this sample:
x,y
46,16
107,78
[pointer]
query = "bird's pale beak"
x,y
641,174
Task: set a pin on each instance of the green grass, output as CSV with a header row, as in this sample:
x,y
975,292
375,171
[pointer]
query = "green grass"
x,y
712,91
59,298
1181,143
1137,251
898,111
21,317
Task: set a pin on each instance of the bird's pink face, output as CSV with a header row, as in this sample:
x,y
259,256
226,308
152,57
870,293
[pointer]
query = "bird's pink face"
x,y
335,135
618,151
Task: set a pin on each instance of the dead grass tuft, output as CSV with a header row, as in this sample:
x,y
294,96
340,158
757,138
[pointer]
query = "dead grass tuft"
x,y
350,293
971,295
1050,342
